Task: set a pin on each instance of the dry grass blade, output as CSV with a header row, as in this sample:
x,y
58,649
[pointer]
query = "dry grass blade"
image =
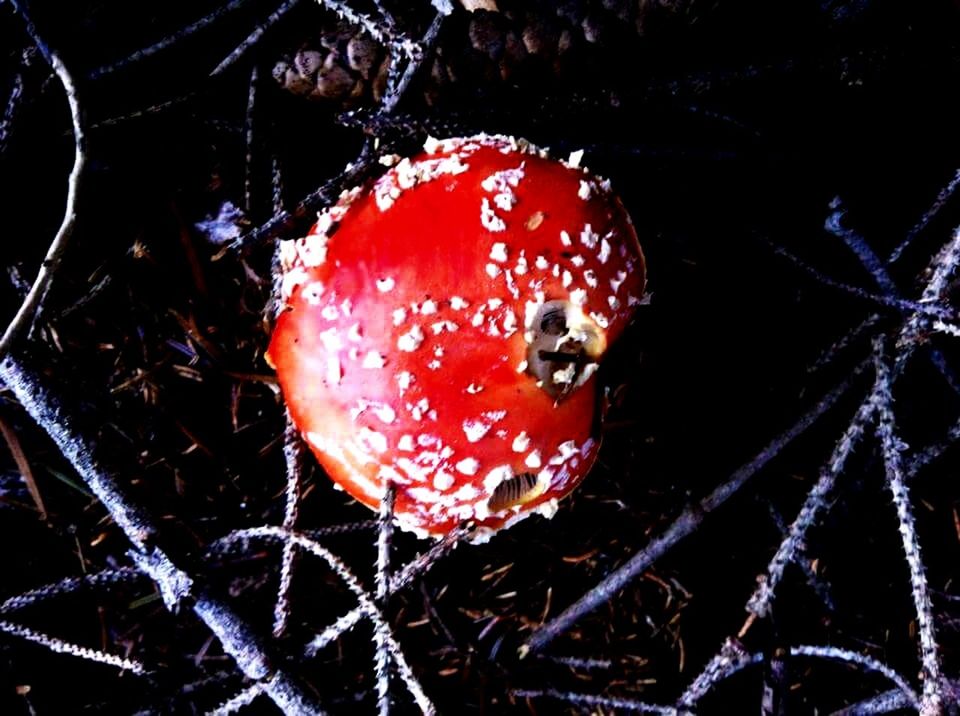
x,y
23,464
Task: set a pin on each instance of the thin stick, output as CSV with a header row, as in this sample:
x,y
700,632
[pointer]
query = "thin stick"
x,y
815,503
397,89
878,271
253,38
942,198
325,195
236,636
867,663
250,138
238,701
729,660
861,249
167,41
901,305
377,30
293,454
15,100
27,313
683,526
65,647
109,577
384,537
593,700
931,703
366,603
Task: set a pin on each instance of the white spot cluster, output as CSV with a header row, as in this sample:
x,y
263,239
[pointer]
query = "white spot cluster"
x,y
499,252
406,175
404,381
411,340
588,237
475,429
441,326
468,466
489,219
385,285
373,361
521,442
313,293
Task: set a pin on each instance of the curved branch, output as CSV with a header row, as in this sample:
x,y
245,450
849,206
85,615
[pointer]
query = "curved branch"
x,y
33,302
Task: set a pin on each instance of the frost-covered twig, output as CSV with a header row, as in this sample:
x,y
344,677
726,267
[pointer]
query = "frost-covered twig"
x,y
861,249
293,453
402,579
867,663
70,585
366,602
729,660
930,311
942,198
732,658
244,698
893,463
398,83
940,271
168,41
284,221
925,456
594,700
828,355
236,636
683,526
254,37
873,264
379,31
65,647
816,583
27,313
250,136
810,513
420,565
384,539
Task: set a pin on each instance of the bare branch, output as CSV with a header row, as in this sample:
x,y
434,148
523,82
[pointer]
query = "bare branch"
x,y
33,303
942,198
238,701
69,585
384,537
237,638
293,453
254,37
931,703
729,660
592,700
683,526
65,647
168,41
367,604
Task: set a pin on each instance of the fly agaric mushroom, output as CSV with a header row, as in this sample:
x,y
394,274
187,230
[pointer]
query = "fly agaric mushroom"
x,y
441,331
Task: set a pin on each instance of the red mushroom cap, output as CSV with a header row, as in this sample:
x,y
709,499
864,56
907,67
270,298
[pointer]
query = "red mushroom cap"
x,y
442,329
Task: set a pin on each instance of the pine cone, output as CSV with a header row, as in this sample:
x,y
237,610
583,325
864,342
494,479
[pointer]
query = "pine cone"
x,y
519,42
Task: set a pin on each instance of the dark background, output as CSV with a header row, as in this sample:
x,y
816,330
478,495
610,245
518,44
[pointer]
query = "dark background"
x,y
726,127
